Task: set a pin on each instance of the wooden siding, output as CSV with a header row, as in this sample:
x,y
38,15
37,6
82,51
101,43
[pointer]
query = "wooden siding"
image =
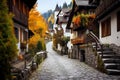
x,y
104,4
20,11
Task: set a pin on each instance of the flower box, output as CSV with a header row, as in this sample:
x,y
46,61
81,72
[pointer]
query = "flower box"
x,y
78,40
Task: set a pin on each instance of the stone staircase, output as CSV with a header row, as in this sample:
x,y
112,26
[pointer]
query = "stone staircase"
x,y
110,59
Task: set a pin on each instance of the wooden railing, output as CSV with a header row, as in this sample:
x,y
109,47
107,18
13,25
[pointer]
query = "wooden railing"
x,y
78,40
103,6
95,39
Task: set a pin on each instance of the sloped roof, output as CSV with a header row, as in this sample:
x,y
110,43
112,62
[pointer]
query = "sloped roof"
x,y
84,4
63,15
65,10
81,2
30,3
57,8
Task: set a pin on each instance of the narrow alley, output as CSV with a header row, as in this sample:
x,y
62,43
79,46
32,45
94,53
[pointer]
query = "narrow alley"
x,y
57,67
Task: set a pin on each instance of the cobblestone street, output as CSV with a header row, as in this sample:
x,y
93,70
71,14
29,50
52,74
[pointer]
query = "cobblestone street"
x,y
57,67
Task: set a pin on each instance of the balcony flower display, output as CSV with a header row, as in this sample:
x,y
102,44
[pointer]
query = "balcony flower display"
x,y
78,40
82,19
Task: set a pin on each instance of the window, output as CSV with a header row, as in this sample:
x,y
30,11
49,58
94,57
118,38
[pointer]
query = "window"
x,y
16,33
21,35
25,36
118,21
106,27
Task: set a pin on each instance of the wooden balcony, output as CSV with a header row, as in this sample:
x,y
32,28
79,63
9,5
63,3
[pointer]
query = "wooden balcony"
x,y
20,17
78,41
104,6
77,28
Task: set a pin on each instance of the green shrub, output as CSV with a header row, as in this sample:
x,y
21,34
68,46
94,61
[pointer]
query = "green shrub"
x,y
8,47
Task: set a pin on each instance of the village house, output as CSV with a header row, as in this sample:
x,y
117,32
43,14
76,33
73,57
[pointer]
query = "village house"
x,y
97,42
20,10
78,31
61,19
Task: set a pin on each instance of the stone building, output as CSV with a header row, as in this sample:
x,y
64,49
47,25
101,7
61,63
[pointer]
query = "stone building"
x,y
97,44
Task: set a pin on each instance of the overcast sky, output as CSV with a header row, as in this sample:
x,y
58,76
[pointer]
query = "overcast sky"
x,y
45,5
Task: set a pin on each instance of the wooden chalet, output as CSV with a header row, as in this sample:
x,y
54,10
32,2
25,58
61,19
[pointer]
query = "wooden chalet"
x,y
108,18
61,22
78,32
62,19
20,9
89,44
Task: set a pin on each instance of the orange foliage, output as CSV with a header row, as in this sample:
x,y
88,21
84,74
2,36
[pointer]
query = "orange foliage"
x,y
34,39
37,25
92,16
37,21
76,20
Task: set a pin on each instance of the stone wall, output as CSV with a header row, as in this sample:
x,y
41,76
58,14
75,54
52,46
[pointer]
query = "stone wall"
x,y
115,48
90,56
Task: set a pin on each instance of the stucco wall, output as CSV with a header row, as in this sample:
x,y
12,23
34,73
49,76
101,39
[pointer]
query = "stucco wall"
x,y
67,34
115,36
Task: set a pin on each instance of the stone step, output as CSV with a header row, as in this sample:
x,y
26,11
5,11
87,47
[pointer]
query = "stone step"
x,y
110,56
111,60
113,71
112,65
105,52
104,48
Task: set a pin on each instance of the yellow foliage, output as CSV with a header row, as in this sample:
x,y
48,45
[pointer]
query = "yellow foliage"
x,y
34,39
51,18
37,25
37,21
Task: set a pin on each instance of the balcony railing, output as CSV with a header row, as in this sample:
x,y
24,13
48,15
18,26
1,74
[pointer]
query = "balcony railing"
x,y
76,28
103,6
78,40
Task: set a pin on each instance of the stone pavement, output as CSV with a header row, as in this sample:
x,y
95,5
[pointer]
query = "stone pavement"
x,y
57,67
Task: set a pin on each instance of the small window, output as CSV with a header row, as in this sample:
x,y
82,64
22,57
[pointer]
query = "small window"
x,y
118,21
106,27
16,33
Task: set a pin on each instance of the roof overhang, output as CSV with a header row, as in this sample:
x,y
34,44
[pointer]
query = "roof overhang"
x,y
108,10
30,3
79,5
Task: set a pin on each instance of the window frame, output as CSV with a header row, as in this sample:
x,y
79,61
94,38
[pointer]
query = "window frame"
x,y
106,27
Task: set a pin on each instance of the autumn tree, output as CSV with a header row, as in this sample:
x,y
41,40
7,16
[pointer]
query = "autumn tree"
x,y
38,25
8,48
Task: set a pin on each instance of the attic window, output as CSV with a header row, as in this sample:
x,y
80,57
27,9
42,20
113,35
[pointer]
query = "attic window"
x,y
118,21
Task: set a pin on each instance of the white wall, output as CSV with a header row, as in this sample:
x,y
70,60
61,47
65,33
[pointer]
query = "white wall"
x,y
67,34
55,18
115,36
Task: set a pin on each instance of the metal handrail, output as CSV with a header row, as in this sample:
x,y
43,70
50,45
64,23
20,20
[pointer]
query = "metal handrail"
x,y
97,41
